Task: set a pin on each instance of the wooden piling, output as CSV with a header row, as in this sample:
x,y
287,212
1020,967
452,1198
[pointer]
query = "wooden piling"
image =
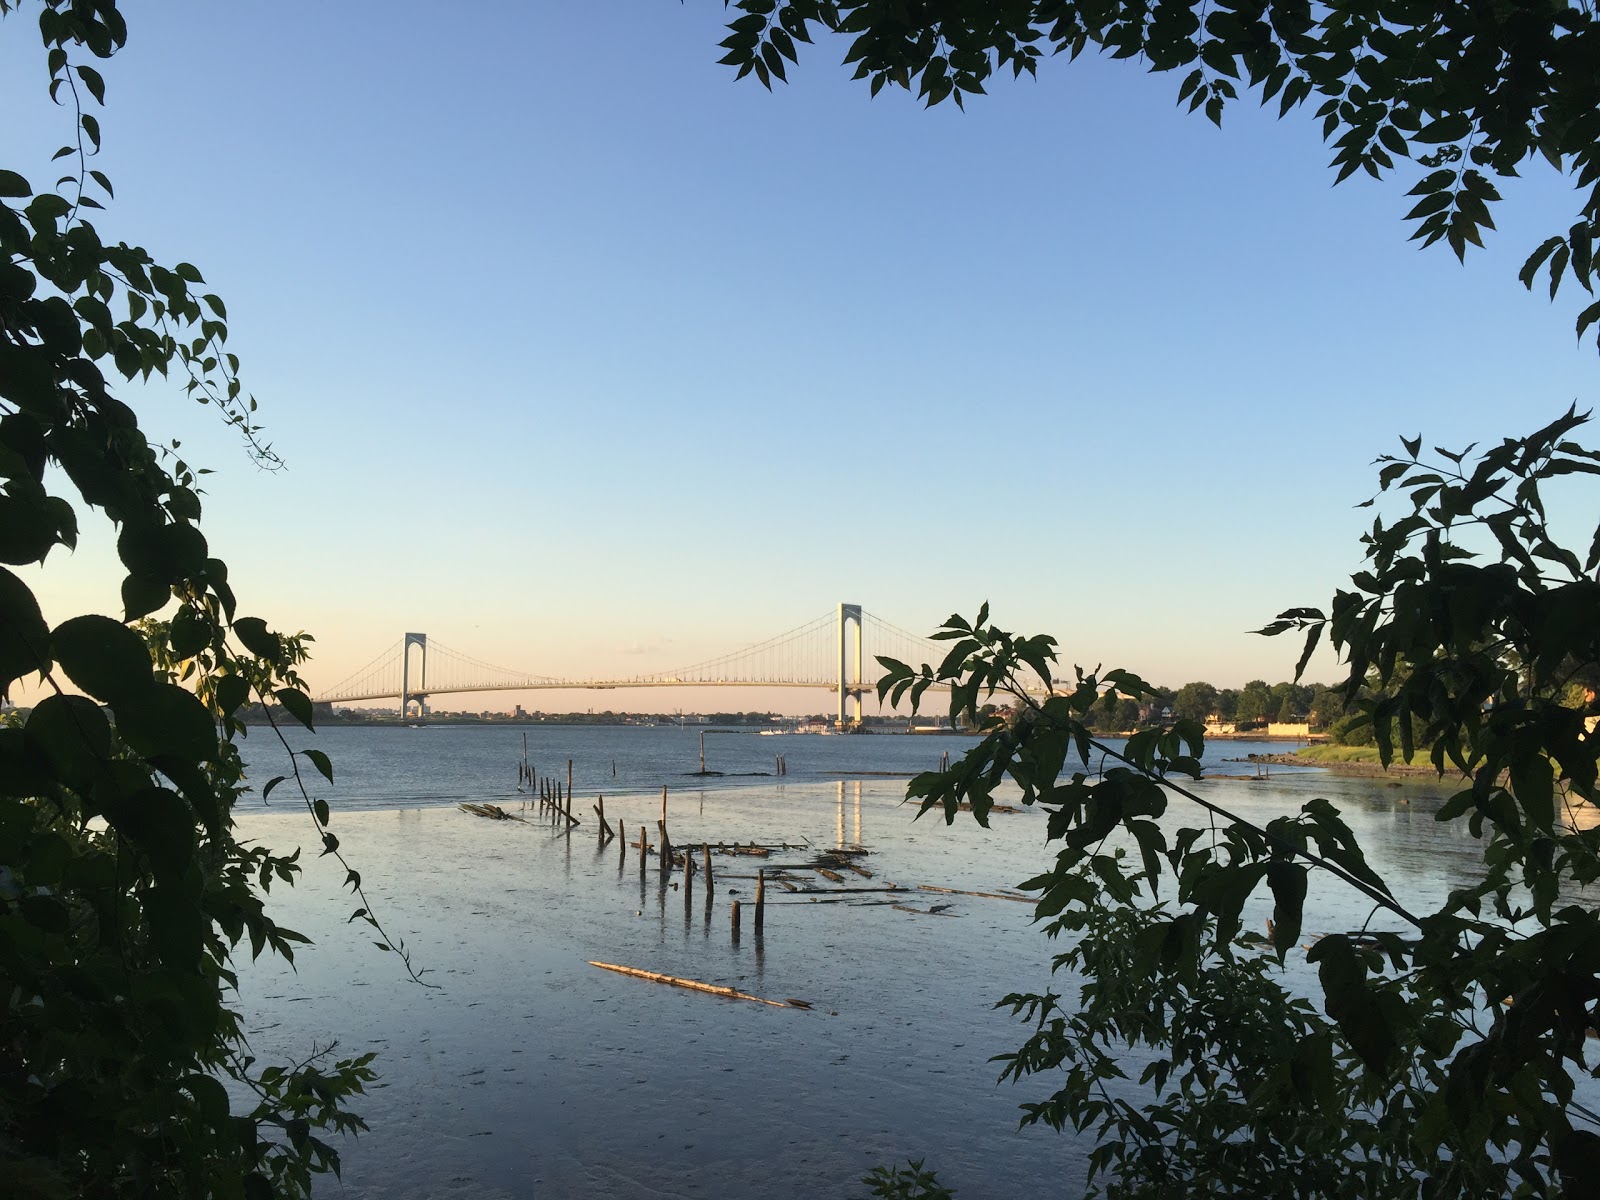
x,y
569,777
644,848
706,849
666,849
761,900
600,811
736,920
663,804
702,752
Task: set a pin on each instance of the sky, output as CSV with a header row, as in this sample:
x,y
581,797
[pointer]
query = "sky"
x,y
588,360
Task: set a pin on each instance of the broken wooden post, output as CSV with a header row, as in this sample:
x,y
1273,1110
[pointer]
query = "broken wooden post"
x,y
666,849
761,900
736,920
706,849
600,811
569,777
702,752
663,804
644,848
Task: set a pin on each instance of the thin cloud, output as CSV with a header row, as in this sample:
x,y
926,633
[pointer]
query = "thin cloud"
x,y
644,647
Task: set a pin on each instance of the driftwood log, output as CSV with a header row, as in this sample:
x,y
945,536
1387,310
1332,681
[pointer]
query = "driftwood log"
x,y
694,985
928,887
492,811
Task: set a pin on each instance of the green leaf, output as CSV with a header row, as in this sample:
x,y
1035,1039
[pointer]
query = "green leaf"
x,y
189,633
232,693
24,636
257,638
295,702
1446,129
159,824
177,927
320,761
103,657
167,720
211,1097
1288,883
72,734
13,185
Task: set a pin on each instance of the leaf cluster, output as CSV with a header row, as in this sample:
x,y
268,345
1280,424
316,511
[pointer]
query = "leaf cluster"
x,y
124,892
1444,1056
1470,92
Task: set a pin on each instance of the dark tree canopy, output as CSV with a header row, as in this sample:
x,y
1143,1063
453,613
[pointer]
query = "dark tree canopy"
x,y
1469,90
127,896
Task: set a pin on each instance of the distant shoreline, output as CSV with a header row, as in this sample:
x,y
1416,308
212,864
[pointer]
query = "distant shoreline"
x,y
1368,770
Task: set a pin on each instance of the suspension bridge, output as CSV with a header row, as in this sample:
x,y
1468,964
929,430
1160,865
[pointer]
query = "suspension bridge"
x,y
835,652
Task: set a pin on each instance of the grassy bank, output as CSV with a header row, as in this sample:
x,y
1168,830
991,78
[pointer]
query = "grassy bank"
x,y
1350,760
1338,754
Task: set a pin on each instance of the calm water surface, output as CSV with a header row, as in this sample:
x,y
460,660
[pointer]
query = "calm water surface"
x,y
529,1073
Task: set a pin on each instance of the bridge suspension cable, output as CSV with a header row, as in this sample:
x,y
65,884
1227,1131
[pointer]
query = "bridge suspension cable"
x,y
813,654
449,669
801,655
890,641
380,677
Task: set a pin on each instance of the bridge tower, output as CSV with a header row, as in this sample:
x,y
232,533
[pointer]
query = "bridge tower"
x,y
850,683
419,640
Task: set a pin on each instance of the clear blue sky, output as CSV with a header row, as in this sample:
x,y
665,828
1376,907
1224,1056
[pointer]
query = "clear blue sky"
x,y
575,346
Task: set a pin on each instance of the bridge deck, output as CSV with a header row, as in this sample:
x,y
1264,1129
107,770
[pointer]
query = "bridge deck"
x,y
594,685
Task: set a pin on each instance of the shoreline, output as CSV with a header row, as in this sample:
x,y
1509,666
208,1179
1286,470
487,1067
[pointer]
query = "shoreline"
x,y
1368,770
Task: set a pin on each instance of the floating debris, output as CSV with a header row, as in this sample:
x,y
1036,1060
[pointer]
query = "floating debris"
x,y
492,811
938,910
928,887
695,985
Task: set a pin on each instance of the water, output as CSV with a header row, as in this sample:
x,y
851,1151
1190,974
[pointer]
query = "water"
x,y
529,1073
397,766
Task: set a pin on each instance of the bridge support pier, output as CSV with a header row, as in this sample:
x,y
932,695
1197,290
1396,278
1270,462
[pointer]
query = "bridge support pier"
x,y
850,687
419,640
